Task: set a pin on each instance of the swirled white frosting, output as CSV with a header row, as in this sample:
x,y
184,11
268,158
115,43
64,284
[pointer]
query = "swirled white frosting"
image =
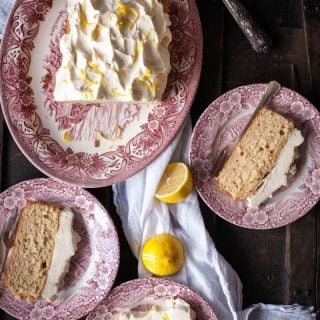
x,y
278,176
115,51
65,247
169,309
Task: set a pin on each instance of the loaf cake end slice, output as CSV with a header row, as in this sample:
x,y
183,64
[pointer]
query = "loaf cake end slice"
x,y
32,251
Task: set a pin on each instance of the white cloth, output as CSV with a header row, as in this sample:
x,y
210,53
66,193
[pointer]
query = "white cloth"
x,y
5,6
205,270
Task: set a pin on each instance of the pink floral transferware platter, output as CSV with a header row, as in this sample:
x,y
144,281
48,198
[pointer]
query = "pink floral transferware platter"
x,y
132,294
132,134
92,269
222,122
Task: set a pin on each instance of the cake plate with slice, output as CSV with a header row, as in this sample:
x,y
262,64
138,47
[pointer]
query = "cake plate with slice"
x,y
222,122
133,293
92,269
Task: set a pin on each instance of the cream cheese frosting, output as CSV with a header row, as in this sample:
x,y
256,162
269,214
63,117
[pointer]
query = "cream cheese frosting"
x,y
169,309
278,176
65,246
114,51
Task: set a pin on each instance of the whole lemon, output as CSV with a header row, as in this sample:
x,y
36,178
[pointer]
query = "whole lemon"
x,y
163,255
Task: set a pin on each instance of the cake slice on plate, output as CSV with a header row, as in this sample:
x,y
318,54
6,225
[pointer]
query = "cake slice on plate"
x,y
261,160
44,244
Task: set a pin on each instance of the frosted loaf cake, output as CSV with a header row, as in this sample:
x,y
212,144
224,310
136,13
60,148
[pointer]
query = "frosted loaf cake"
x,y
114,51
261,160
44,244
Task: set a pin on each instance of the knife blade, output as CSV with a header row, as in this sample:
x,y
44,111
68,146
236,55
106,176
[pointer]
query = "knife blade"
x,y
8,236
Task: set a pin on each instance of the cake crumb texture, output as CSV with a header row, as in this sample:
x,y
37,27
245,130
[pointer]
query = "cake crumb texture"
x,y
255,154
32,251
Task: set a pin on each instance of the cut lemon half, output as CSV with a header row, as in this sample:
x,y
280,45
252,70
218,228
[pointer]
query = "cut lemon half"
x,y
175,184
163,255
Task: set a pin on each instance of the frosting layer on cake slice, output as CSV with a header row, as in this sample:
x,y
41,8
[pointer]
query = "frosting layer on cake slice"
x,y
278,176
114,51
169,309
65,247
44,244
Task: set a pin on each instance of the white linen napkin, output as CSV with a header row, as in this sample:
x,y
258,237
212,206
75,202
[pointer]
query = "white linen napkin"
x,y
205,270
5,6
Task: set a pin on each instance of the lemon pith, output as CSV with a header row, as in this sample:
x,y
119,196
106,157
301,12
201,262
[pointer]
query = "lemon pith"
x,y
175,184
163,255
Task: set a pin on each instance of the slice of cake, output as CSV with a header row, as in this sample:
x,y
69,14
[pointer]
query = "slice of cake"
x,y
266,147
114,51
44,244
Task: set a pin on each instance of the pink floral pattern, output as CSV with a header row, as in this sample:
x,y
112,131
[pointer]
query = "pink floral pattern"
x,y
312,182
288,204
31,129
298,108
93,268
255,216
10,202
135,291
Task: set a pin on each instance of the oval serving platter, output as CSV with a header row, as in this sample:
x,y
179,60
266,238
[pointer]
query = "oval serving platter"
x,y
136,133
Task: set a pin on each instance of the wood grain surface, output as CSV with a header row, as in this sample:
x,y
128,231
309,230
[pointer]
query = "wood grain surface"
x,y
279,266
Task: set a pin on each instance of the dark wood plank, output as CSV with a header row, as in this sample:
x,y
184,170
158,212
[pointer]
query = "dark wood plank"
x,y
256,68
301,289
211,76
212,21
268,262
284,13
301,260
16,167
258,256
312,29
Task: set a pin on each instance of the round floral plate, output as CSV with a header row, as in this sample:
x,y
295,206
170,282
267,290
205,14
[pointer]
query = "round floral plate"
x,y
92,269
222,122
133,293
108,143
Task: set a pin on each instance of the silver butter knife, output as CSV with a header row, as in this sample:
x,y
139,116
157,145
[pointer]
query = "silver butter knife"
x,y
7,237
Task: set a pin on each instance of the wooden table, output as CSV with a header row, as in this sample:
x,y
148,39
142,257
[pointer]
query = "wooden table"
x,y
279,266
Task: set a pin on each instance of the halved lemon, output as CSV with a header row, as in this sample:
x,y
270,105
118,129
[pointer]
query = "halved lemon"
x,y
163,255
175,184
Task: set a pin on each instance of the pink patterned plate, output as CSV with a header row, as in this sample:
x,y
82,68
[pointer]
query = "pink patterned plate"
x,y
92,269
222,122
133,134
132,293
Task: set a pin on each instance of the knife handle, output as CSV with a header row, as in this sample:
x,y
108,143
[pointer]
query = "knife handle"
x,y
259,40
